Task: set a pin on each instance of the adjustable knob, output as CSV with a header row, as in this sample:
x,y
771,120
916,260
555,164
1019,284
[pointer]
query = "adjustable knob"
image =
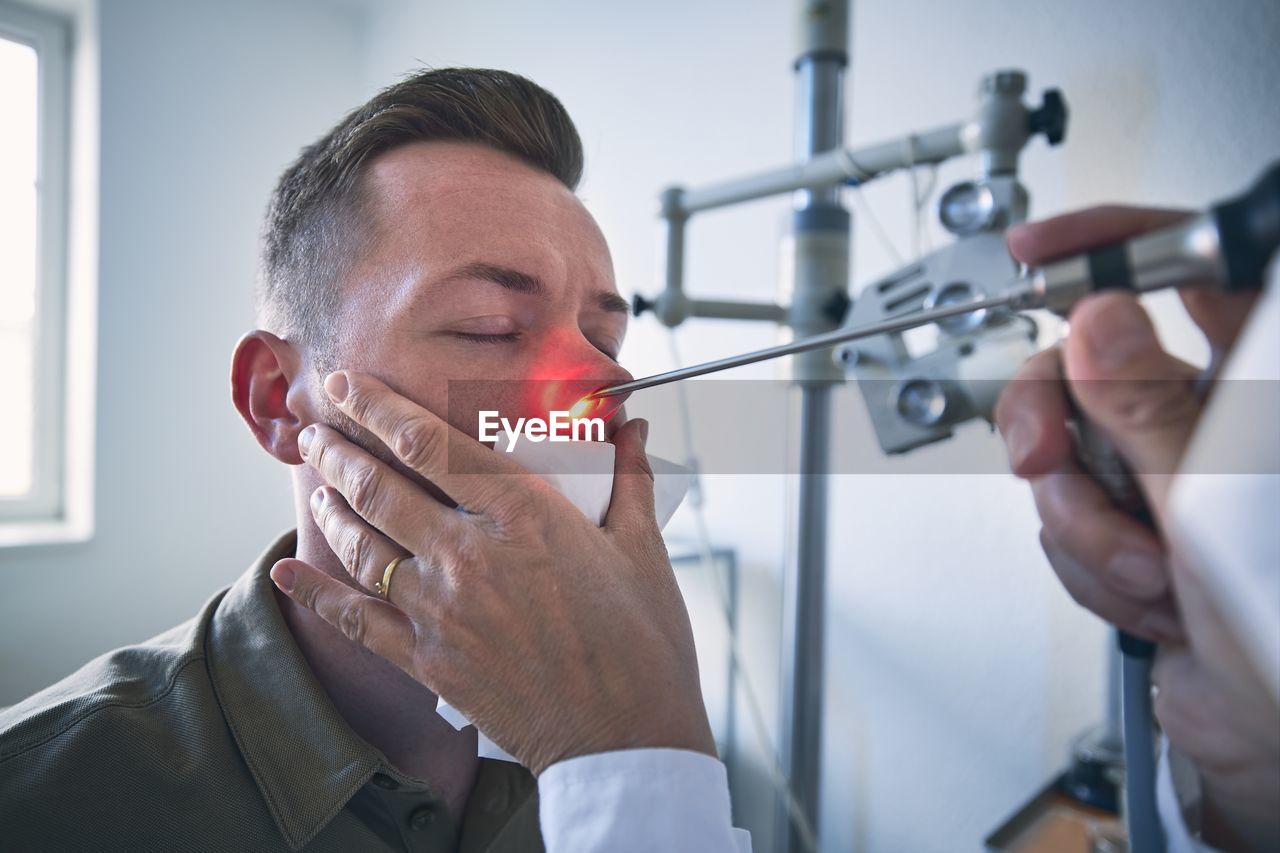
x,y
1249,231
639,305
1051,118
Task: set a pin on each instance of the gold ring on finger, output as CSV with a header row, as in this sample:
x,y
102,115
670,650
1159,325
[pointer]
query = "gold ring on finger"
x,y
383,587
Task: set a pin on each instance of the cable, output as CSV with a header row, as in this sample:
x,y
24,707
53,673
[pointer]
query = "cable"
x,y
919,197
922,243
777,775
881,234
910,141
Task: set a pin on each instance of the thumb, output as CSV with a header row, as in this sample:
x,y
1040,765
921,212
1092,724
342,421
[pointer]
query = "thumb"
x,y
632,502
1141,397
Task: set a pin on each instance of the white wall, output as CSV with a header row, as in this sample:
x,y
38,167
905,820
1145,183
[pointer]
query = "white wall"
x,y
957,669
202,105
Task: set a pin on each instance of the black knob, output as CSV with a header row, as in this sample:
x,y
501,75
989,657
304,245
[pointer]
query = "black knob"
x,y
1051,118
837,306
1249,231
639,305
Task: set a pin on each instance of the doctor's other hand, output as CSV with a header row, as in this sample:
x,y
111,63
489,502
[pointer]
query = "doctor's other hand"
x,y
1209,702
555,637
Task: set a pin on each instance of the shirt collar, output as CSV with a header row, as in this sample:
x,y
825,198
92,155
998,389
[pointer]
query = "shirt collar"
x,y
305,759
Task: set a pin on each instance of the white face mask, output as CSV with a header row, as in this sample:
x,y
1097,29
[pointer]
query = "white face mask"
x,y
582,471
1224,524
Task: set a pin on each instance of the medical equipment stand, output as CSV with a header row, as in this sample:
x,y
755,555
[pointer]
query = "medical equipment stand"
x,y
963,290
815,300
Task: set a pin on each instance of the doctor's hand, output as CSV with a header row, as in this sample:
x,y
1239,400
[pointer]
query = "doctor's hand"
x,y
1209,702
1141,397
555,637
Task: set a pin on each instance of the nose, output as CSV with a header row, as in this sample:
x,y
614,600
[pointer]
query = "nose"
x,y
568,369
606,373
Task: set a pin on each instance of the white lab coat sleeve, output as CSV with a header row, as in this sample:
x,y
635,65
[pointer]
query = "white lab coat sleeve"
x,y
638,800
1222,506
1222,503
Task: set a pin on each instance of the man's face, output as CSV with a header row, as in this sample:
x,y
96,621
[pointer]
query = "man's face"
x,y
478,267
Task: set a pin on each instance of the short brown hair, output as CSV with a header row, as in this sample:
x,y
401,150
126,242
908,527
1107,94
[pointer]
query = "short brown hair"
x,y
313,228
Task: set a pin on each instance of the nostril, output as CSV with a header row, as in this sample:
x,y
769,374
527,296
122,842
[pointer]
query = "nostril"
x,y
584,407
591,406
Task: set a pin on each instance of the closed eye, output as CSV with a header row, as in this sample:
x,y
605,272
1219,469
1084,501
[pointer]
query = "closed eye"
x,y
475,337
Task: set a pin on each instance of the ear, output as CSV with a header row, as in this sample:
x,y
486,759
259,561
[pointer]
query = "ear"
x,y
264,370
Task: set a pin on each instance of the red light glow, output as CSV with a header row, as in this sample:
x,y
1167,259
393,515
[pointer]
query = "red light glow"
x,y
559,381
583,408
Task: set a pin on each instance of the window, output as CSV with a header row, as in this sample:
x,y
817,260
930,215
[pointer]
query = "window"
x,y
34,167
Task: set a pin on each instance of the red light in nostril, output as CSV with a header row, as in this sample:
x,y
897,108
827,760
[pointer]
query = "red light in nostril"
x,y
583,407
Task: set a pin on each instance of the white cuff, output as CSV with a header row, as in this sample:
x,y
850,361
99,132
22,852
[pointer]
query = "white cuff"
x,y
638,800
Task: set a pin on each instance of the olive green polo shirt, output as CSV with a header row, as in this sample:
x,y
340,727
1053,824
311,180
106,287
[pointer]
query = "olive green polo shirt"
x,y
216,736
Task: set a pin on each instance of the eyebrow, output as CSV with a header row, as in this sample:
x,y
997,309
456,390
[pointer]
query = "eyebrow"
x,y
514,280
531,285
609,301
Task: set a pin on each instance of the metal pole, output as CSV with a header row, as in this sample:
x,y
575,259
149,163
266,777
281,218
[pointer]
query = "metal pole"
x,y
1111,731
818,298
804,593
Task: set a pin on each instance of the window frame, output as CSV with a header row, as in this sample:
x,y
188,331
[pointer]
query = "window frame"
x,y
49,34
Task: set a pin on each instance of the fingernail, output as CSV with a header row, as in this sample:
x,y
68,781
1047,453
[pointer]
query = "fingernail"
x,y
283,576
317,499
644,430
1020,439
1141,573
305,438
1116,335
1161,627
335,385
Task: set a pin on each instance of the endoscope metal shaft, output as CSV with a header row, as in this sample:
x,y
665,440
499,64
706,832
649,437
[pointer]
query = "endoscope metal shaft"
x,y
1227,247
829,339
